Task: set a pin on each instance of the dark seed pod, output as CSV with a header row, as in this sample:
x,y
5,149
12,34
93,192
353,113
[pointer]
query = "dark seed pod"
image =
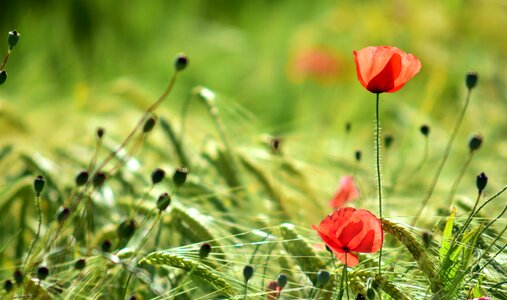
x,y
248,272
180,176
98,179
322,278
82,178
149,124
181,62
481,182
282,280
163,201
62,214
3,76
13,38
106,246
425,130
205,250
475,142
18,277
80,264
471,80
157,176
388,141
100,132
42,273
38,185
126,229
360,297
8,286
358,155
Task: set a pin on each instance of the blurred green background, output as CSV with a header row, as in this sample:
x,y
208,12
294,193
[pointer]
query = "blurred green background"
x,y
278,67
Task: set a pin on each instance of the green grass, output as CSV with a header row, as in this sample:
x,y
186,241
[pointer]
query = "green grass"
x,y
80,65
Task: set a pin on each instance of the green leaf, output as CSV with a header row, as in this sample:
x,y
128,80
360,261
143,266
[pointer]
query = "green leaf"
x,y
447,237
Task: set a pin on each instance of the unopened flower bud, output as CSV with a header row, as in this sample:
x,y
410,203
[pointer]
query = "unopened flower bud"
x,y
163,201
8,286
149,124
100,132
157,176
248,272
126,229
358,155
38,185
180,176
475,142
18,276
481,182
106,246
322,278
388,141
3,76
282,280
360,297
62,214
13,38
80,264
181,62
42,273
471,80
425,130
98,179
205,250
82,178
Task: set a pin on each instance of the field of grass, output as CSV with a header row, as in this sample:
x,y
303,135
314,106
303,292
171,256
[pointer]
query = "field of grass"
x,y
249,140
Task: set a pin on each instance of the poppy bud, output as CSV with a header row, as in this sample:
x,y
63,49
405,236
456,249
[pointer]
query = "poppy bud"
x,y
248,272
157,176
322,278
348,127
427,238
275,144
425,130
82,178
180,176
481,182
98,179
370,293
134,297
181,62
13,38
388,141
205,250
163,201
471,80
106,246
360,297
80,264
18,276
8,286
3,76
149,124
282,280
126,229
475,142
42,273
100,132
357,155
38,185
62,214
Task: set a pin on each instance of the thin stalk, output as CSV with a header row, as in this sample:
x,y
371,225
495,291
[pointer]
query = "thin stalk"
x,y
458,179
444,158
245,293
340,294
346,278
6,58
379,173
39,222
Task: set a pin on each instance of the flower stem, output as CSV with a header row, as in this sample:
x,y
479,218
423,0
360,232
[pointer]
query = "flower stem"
x,y
379,178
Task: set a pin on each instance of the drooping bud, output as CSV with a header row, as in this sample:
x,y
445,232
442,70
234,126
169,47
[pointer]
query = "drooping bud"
x,y
149,124
42,273
126,229
475,142
13,38
248,272
180,176
205,250
3,76
100,132
358,155
360,297
62,214
38,185
18,277
181,62
471,80
80,264
106,246
425,130
163,201
98,179
157,176
282,280
276,144
322,278
8,286
388,141
82,178
481,182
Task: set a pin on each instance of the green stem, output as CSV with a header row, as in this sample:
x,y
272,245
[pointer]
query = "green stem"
x,y
340,294
444,158
458,180
36,238
379,173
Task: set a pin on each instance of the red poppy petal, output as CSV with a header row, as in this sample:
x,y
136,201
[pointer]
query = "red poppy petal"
x,y
348,259
329,241
411,66
372,236
349,232
384,81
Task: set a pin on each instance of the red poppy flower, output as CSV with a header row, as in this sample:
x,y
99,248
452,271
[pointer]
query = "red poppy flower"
x,y
385,69
349,230
346,192
273,290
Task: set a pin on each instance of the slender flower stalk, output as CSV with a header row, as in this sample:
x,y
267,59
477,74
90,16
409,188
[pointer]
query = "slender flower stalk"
x,y
379,173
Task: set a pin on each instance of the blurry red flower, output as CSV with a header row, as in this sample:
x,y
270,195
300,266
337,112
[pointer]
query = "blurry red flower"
x,y
385,69
349,230
482,298
273,290
346,191
321,65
